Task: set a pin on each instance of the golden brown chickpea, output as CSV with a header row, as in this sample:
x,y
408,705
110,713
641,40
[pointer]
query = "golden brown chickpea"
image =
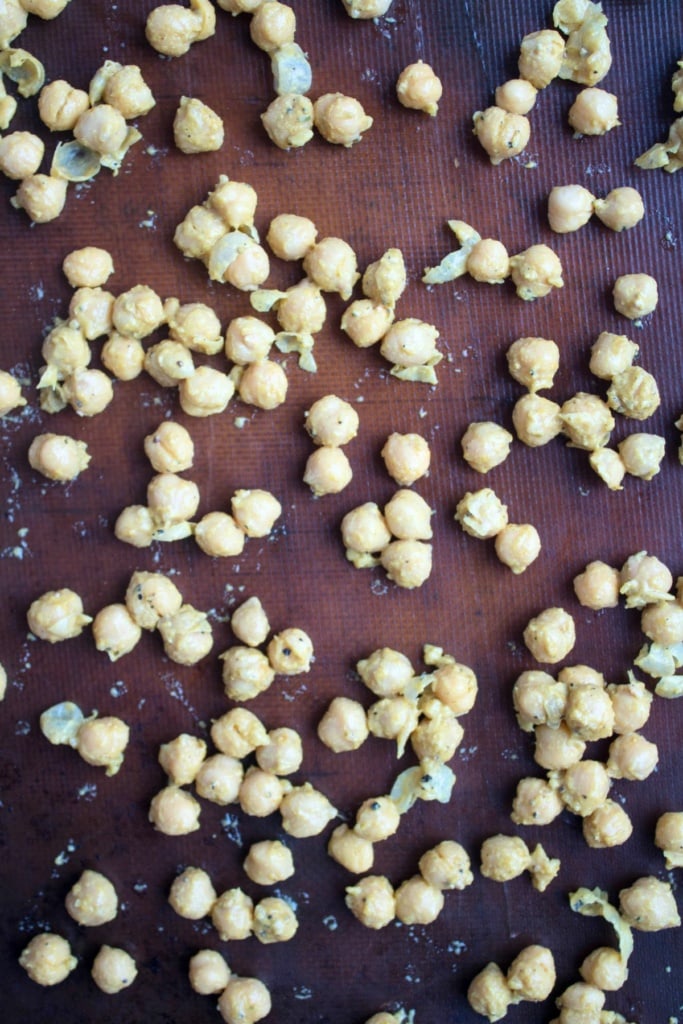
x,y
186,634
536,420
171,29
290,236
632,703
589,713
340,119
21,154
198,232
504,857
481,513
246,673
47,959
208,972
550,635
249,622
540,57
631,756
372,901
408,516
263,384
331,421
192,894
113,970
91,309
57,615
634,393
501,133
535,802
605,968
649,905
538,700
488,261
419,88
123,357
92,900
594,112
281,752
534,362
123,87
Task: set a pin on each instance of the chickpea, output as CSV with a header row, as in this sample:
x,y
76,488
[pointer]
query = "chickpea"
x,y
517,546
115,631
168,363
208,972
172,499
488,993
531,975
649,905
446,866
281,752
102,742
135,526
92,900
274,920
580,1002
219,536
123,87
21,154
331,265
410,342
232,915
611,355
171,29
41,197
569,208
377,819
198,232
91,309
632,703
594,112
597,586
663,623
504,857
88,392
244,1000
584,787
517,96
622,208
58,457
291,236
366,8
238,733
535,272
353,852
151,596
269,862
408,516
113,970
246,673
575,676
366,322
550,635
46,9
331,421
273,25
344,725
635,295
196,127
169,448
406,457
328,471
194,324
234,202
249,622
540,57
669,837
260,793
393,718
60,105
290,652
502,134
586,421
419,88
536,420
485,445
642,454
138,312
57,615
340,119
386,672
609,467
248,340
288,121
305,811
589,713
123,357
303,309
384,281
263,384
437,736
364,529
634,393
219,779
418,901
408,563
605,968
372,901
186,635
488,261
65,350
206,393
535,802
557,748
631,756
102,129
192,894
48,959
481,513
10,394
534,362
181,758
174,811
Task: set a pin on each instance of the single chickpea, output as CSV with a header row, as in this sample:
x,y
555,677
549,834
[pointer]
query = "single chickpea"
x,y
669,837
485,445
649,905
41,197
303,309
115,631
535,802
589,712
632,703
372,901
550,635
635,295
249,622
331,421
366,322
622,208
586,421
58,457
89,267
281,753
305,811
198,232
247,266
102,742
536,420
192,894
642,454
169,448
605,968
174,811
123,357
10,394
138,312
208,972
594,112
181,758
584,787
263,384
504,857
377,819
332,266
353,852
488,261
455,686
274,920
47,959
151,596
488,993
88,392
135,526
535,272
238,732
248,340
481,513
580,1002
408,563
113,970
168,362
171,29
47,9
531,975
196,127
288,121
290,236
408,516
419,88
66,350
540,57
327,471
418,901
344,725
234,202
634,393
384,281
290,652
386,672
437,735
340,119
597,586
517,546
538,700
446,866
206,393
57,615
631,756
186,635
272,25
569,208
60,105
612,354
195,324
21,154
219,779
269,862
609,466
246,673
102,129
244,1001
232,915
557,748
502,134
123,87
219,536
581,675
517,96
393,718
410,342
662,623
260,793
534,362
92,900
364,529
366,8
172,499
406,457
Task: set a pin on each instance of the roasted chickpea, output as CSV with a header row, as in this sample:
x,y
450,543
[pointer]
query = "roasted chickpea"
x,y
288,121
594,112
612,354
272,25
281,752
246,673
501,133
260,793
418,901
21,154
446,866
60,105
47,959
305,811
269,862
535,272
174,811
649,905
249,622
353,852
192,894
531,975
597,586
536,420
372,901
92,900
642,454
517,546
232,915
41,197
377,819
196,127
219,779
364,529
540,57
569,208
340,119
481,513
256,511
113,970
115,631
605,968
635,295
208,972
551,635
517,96
485,445
344,725
290,236
238,733
248,340
244,1001
290,652
419,88
621,208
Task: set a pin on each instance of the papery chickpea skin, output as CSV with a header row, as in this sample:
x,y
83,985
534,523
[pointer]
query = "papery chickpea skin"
x,y
594,112
419,88
550,635
113,969
208,972
502,134
635,295
47,959
340,119
92,900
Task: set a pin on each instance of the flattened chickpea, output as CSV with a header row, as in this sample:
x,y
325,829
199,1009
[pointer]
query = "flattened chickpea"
x,y
540,57
517,546
586,421
290,236
408,516
208,972
371,901
594,112
47,959
305,811
113,970
503,857
92,900
649,905
219,536
536,420
219,779
244,1001
481,513
115,631
635,295
181,758
364,529
340,119
535,272
269,862
60,105
622,208
502,134
272,25
605,968
642,454
288,121
488,993
597,586
232,915
353,852
41,197
419,88
550,635
290,652
446,866
58,457
611,354
57,615
408,563
238,732
21,154
331,421
192,894
377,819
531,975
517,96
246,673
534,362
584,787
174,811
196,127
281,753
248,340
535,802
260,793
488,261
418,901
344,725
569,208
669,837
634,393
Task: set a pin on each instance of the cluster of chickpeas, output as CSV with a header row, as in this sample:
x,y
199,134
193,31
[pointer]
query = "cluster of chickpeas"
x,y
100,740
331,423
241,1000
420,899
667,154
577,49
530,977
397,537
506,857
483,515
572,206
171,29
534,272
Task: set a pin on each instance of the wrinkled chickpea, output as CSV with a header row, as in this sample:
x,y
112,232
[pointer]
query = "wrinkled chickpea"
x,y
92,900
419,88
113,969
540,57
535,272
288,121
611,354
609,467
174,811
584,786
47,959
569,208
586,421
60,105
642,454
290,652
138,312
171,29
535,802
622,208
186,635
634,393
502,134
340,119
274,920
208,972
488,993
196,127
481,513
517,96
246,673
594,112
485,445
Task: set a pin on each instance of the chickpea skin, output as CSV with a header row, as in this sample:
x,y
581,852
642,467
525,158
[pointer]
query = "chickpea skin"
x,y
208,972
92,900
635,295
419,88
113,970
48,959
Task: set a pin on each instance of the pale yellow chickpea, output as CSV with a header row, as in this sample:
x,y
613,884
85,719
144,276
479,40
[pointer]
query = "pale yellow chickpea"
x,y
171,498
151,596
234,202
115,631
260,793
269,862
249,622
290,652
535,272
418,87
206,393
46,9
113,969
353,852
102,129
247,268
174,811
57,615
366,8
192,894
305,811
408,563
288,121
219,779
377,819
611,354
631,756
589,712
410,342
580,1002
517,96
186,635
371,901
540,57
290,236
535,802
238,732
662,622
534,362
488,261
171,29
597,586
488,992
303,309
417,901
102,742
3,682
503,857
274,920
248,340
502,134
196,127
169,448
536,420
557,748
605,968
181,758
634,393
208,972
332,266
219,536
138,311
232,915
569,208
485,445
481,513
437,735
58,457
584,787
386,672
384,281
364,529
586,421
340,119
134,525
244,1001
327,471
21,154
517,546
60,105
125,88
41,197
366,322
123,357
168,362
594,112
635,295
92,900
408,516
393,718
581,675
550,635
642,454
195,324
538,699
246,673
446,866
622,208
281,752
406,457
344,725
331,421
198,232
263,384
632,703
88,392
649,905
669,837
47,959
65,350
531,975
272,25
89,267
609,466
455,686
10,393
